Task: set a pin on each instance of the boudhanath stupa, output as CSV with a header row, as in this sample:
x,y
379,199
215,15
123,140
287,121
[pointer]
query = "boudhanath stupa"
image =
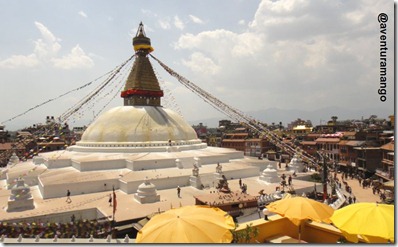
x,y
140,143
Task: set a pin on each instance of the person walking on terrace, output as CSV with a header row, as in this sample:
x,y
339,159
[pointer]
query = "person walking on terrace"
x,y
68,200
178,191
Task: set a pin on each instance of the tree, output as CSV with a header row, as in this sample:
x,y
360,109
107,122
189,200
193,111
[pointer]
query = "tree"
x,y
244,236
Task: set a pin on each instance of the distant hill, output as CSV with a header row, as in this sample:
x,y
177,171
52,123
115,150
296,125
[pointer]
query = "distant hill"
x,y
319,116
270,115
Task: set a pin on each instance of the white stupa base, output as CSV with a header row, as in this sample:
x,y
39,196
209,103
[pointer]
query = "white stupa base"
x,y
217,176
146,199
20,205
296,169
269,175
195,182
296,164
269,179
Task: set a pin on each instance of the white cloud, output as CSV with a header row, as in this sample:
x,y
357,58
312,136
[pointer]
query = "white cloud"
x,y
284,6
205,40
46,33
293,49
198,62
46,52
77,58
48,46
148,12
178,23
247,44
17,61
164,24
82,14
355,16
195,19
224,42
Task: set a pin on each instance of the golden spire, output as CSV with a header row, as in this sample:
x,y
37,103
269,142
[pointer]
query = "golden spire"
x,y
141,42
142,86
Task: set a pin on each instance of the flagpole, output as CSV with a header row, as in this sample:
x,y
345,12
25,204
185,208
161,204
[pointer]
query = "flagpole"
x,y
113,212
114,204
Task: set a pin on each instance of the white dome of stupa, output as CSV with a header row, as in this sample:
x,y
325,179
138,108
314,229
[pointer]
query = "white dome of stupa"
x,y
143,127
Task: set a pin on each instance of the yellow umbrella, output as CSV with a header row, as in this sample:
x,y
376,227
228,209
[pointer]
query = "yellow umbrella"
x,y
188,224
373,221
298,208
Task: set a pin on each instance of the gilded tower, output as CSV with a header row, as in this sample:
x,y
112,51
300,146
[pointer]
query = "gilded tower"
x,y
142,87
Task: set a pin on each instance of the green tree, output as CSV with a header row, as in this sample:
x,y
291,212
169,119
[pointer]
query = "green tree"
x,y
244,236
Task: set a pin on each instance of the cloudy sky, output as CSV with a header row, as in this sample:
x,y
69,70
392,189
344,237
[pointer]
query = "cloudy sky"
x,y
252,55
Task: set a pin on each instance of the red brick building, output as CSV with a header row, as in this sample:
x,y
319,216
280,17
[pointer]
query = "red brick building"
x,y
235,141
329,146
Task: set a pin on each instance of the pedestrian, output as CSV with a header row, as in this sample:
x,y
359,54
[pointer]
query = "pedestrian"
x,y
290,180
178,191
68,200
72,218
283,176
110,200
244,188
354,199
279,164
240,183
349,200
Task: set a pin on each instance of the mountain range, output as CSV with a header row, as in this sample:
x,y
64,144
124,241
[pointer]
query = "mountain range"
x,y
319,116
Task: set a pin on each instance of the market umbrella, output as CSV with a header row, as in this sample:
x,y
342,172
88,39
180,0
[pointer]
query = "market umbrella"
x,y
372,221
298,209
389,184
188,224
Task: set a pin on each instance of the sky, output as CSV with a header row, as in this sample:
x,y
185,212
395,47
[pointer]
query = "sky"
x,y
252,55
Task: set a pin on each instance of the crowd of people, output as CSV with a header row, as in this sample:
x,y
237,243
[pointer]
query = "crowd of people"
x,y
365,183
79,229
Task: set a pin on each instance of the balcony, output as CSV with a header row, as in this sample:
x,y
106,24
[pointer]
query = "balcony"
x,y
384,174
388,162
